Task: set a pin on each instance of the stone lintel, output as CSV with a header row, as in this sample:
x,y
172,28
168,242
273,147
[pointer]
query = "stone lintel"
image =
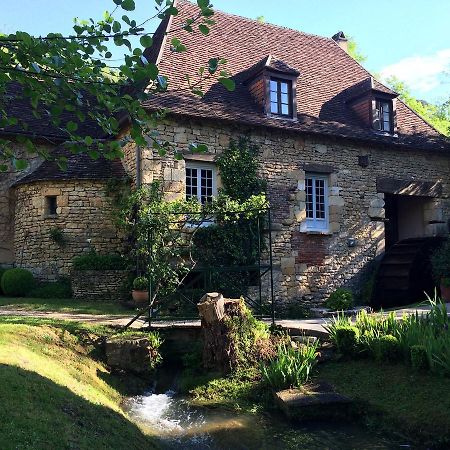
x,y
199,157
409,187
318,168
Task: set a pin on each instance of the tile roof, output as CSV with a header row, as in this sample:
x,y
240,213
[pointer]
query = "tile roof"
x,y
327,73
41,127
79,166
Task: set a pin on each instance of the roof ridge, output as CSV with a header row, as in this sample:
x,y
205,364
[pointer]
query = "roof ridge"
x,y
267,24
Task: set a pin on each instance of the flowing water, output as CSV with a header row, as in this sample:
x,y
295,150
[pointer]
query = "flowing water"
x,y
179,425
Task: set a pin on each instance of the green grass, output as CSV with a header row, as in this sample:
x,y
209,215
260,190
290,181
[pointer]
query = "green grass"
x,y
396,399
67,306
55,395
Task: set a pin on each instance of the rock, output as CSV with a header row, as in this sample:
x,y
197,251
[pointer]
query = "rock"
x,y
317,402
319,312
305,339
132,354
348,312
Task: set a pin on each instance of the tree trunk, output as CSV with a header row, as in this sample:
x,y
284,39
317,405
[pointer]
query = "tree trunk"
x,y
217,348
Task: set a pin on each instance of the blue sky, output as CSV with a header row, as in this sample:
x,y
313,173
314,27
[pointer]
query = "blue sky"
x,y
408,38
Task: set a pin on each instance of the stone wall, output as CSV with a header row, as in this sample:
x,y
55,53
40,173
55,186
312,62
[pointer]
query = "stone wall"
x,y
7,200
98,284
83,217
311,265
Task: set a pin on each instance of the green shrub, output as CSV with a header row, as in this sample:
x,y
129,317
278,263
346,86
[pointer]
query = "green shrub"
x,y
291,367
56,289
94,261
340,299
419,357
346,339
440,261
17,282
387,348
140,283
2,271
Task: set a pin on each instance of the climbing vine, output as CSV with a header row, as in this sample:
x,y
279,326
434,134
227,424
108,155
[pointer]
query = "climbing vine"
x,y
240,240
169,240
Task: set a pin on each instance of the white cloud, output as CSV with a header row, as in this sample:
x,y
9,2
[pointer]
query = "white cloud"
x,y
420,73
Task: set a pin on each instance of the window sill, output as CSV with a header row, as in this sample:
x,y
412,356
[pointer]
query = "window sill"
x,y
317,232
385,133
277,117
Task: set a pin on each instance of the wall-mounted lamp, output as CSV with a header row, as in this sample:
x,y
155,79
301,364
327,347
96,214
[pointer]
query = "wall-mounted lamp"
x,y
363,161
351,242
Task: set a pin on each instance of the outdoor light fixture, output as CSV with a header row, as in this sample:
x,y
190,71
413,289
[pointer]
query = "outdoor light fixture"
x,y
363,161
351,242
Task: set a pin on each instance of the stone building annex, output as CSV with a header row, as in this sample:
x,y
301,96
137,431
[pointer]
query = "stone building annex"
x,y
351,170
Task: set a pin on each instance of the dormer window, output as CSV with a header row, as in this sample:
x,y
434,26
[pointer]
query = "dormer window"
x,y
281,97
382,120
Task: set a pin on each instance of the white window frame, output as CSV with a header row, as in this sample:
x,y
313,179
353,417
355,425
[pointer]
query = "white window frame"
x,y
201,166
315,224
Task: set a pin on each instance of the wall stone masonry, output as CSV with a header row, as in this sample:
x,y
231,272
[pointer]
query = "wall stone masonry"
x,y
310,266
83,216
7,200
98,284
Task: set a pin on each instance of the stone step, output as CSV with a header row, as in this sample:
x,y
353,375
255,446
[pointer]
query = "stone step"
x,y
316,404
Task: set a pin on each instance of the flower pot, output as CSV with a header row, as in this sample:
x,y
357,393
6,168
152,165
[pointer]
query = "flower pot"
x,y
140,298
445,290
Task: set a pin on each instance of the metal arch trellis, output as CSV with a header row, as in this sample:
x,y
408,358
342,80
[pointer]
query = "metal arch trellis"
x,y
262,304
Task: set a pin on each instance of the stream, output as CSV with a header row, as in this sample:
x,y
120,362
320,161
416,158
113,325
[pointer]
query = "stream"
x,y
179,425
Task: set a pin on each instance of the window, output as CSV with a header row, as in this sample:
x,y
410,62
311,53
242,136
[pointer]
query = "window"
x,y
50,205
316,187
200,182
382,120
281,97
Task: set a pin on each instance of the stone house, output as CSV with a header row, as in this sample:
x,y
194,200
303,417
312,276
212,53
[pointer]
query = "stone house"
x,y
351,170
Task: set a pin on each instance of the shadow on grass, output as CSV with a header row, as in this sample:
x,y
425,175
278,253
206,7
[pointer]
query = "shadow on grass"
x,y
36,413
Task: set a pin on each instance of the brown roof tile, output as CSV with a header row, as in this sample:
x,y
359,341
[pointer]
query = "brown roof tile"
x,y
79,166
326,73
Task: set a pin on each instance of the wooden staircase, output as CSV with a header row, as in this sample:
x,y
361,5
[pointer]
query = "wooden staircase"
x,y
404,273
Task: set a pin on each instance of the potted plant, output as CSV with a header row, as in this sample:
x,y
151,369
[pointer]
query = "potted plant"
x,y
441,269
140,290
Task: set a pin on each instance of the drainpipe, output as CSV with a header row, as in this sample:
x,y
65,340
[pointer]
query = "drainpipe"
x,y
138,167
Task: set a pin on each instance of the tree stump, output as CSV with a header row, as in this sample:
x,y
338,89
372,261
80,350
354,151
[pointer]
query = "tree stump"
x,y
217,348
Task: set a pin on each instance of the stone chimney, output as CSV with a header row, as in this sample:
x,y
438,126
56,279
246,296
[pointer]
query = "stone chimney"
x,y
341,40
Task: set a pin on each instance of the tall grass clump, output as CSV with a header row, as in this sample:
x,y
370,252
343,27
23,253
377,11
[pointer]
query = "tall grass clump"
x,y
422,340
291,367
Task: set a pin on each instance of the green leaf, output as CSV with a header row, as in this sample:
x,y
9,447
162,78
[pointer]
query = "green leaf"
x,y
203,29
94,154
116,26
172,11
108,55
88,140
118,2
203,3
20,164
152,71
228,83
146,41
212,65
128,5
72,126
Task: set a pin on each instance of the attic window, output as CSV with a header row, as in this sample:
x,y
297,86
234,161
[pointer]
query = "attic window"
x,y
382,120
281,97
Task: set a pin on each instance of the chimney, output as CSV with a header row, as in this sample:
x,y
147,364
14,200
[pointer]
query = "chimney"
x,y
341,40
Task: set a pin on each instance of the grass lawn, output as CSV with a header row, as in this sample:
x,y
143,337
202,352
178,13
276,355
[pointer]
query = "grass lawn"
x,y
395,398
69,305
55,395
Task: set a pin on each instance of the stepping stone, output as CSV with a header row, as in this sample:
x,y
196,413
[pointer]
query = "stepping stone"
x,y
301,404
